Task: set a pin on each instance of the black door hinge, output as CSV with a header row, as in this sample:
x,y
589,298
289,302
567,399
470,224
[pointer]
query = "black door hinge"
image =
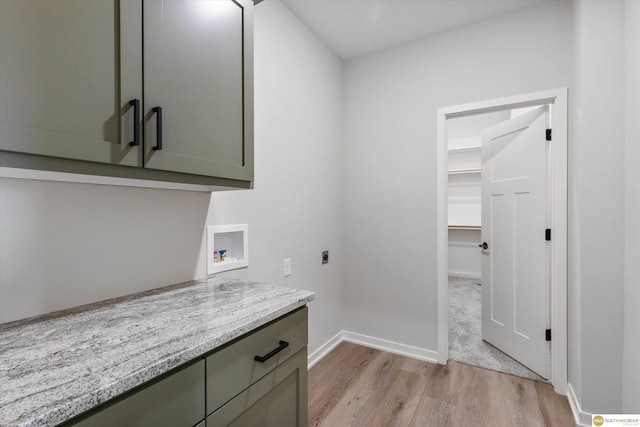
x,y
547,334
547,234
548,134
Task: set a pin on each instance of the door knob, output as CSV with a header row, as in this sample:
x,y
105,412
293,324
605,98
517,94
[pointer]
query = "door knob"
x,y
483,245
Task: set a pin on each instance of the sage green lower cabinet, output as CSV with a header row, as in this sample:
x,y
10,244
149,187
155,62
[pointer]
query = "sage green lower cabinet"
x,y
279,399
176,400
226,387
234,366
244,392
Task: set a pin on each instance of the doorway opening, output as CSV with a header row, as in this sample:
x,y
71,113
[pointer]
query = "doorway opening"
x,y
465,293
556,249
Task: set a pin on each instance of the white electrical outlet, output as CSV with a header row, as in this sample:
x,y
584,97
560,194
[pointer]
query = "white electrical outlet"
x,y
287,267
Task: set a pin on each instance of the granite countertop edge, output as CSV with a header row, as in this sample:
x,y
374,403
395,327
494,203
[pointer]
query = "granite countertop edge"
x,y
279,305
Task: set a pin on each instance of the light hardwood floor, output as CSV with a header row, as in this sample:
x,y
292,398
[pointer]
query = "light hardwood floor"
x,y
359,386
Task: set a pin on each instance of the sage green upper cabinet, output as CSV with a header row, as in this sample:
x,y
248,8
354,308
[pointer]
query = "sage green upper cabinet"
x,y
72,70
200,76
68,69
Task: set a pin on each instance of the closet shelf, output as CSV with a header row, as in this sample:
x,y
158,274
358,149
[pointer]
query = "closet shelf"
x,y
465,227
460,149
464,171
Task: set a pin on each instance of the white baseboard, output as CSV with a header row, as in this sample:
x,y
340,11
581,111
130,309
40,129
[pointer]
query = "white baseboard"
x,y
391,347
583,419
324,349
372,342
465,275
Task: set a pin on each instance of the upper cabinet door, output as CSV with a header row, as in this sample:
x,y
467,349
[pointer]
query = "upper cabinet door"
x,y
68,69
198,68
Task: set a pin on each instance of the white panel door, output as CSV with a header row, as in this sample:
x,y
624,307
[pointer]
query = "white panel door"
x,y
514,218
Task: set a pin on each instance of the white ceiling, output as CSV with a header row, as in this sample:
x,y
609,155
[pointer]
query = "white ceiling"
x,y
352,28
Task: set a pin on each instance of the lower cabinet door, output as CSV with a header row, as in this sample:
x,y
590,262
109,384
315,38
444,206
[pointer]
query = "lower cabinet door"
x,y
279,399
235,367
176,400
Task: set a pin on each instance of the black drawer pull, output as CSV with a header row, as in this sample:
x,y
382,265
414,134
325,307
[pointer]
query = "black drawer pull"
x,y
136,122
158,111
282,346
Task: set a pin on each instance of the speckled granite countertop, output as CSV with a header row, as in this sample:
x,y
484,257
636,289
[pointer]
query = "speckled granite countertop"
x,y
57,366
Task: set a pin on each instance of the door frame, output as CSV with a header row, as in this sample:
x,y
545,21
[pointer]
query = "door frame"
x,y
558,169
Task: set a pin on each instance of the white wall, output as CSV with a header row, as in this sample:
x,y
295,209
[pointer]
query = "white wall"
x,y
631,360
597,210
295,210
67,244
464,253
63,244
391,100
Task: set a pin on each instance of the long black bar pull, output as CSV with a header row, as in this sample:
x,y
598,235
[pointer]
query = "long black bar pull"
x,y
136,122
282,346
158,111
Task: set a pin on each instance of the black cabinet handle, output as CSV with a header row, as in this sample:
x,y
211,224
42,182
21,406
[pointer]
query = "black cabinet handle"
x,y
158,111
483,245
282,346
136,122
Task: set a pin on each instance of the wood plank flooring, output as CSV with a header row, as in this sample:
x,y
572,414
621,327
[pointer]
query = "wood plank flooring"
x,y
359,386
